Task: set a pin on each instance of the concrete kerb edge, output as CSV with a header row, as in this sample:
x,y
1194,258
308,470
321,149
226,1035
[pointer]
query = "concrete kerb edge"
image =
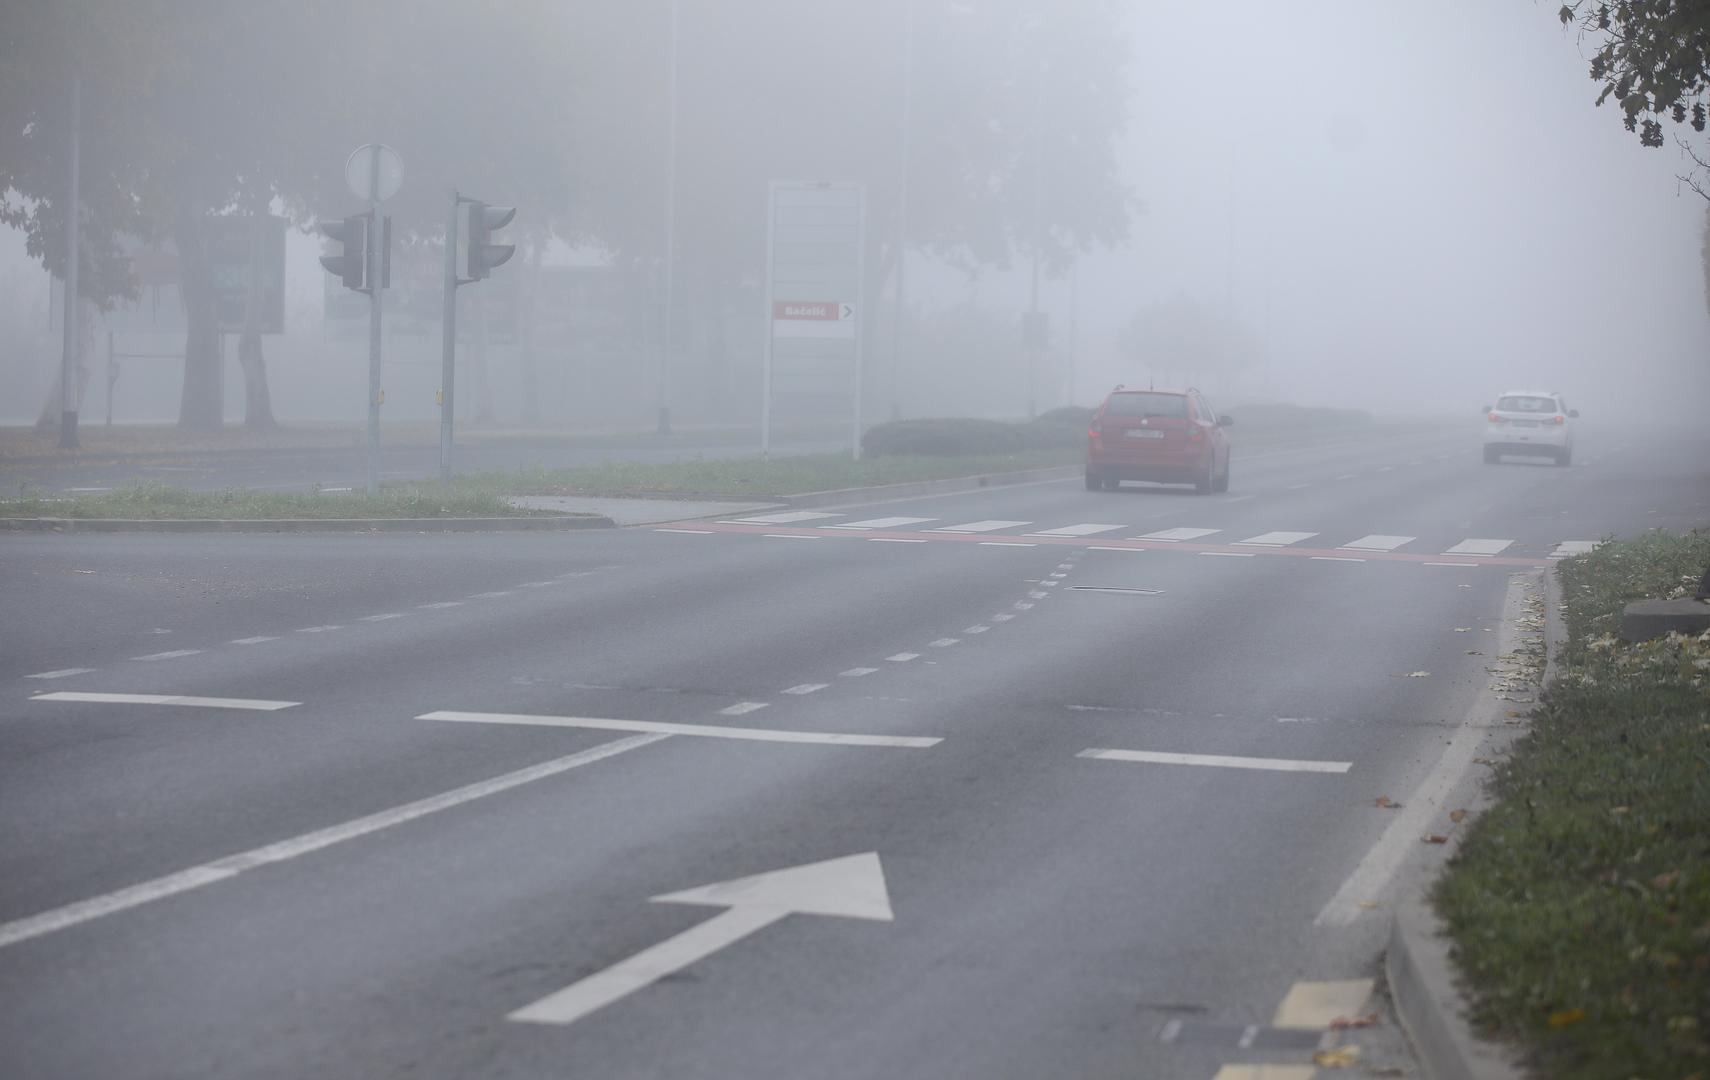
x,y
1418,965
259,525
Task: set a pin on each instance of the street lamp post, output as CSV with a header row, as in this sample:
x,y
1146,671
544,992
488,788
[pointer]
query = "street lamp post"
x,y
903,160
666,335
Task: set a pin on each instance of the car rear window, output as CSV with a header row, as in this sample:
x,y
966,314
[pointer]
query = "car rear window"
x,y
1516,403
1146,404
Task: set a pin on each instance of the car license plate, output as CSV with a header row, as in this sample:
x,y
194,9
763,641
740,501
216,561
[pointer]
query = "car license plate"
x,y
1145,434
1525,423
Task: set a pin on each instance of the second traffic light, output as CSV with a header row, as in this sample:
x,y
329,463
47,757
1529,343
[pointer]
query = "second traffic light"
x,y
351,265
480,254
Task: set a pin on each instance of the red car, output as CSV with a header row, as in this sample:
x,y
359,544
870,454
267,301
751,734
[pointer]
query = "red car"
x,y
1165,436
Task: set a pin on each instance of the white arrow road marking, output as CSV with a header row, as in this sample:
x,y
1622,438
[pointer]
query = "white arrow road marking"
x,y
1218,761
852,887
166,699
706,731
232,865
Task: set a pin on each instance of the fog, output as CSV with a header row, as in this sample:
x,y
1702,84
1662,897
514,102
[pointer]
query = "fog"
x,y
1399,207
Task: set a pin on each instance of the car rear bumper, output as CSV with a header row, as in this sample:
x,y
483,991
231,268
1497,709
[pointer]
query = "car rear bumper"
x,y
1528,440
1166,468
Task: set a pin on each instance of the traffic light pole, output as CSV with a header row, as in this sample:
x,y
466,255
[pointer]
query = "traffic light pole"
x,y
448,346
375,262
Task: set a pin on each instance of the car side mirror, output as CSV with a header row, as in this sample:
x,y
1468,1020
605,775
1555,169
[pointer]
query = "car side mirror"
x,y
1573,414
1225,421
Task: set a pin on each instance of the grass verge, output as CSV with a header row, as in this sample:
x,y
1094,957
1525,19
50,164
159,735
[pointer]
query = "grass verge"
x,y
754,476
1580,903
156,501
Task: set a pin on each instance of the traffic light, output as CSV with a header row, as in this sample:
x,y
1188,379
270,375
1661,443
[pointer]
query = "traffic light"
x,y
480,255
351,265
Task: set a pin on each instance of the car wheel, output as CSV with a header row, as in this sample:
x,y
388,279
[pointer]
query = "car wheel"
x,y
1094,481
1564,457
1222,483
1207,483
1111,483
1491,455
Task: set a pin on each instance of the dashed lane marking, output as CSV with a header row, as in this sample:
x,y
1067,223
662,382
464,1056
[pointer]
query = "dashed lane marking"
x,y
195,877
705,731
992,525
1219,761
1178,535
741,708
892,540
792,536
166,699
1479,547
687,532
785,519
1277,539
881,523
1335,558
1230,554
1004,543
171,655
440,605
318,629
856,672
975,629
257,640
1348,476
1454,564
944,642
1378,542
382,617
903,657
1266,1072
1085,529
1095,547
62,673
1002,616
806,688
493,595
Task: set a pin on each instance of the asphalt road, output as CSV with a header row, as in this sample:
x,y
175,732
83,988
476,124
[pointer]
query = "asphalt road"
x,y
398,872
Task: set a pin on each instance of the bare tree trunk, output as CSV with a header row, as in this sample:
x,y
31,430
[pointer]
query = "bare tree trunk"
x,y
257,400
200,407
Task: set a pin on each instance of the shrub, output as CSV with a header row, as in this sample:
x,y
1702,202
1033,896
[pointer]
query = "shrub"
x,y
962,436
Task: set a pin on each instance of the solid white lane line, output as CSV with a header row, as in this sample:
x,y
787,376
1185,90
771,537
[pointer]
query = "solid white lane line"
x,y
806,688
317,629
880,523
1084,529
707,731
687,532
1377,542
1175,535
62,673
1479,547
1316,1005
1219,761
944,642
782,519
173,655
990,525
232,865
856,672
787,536
253,704
903,657
382,617
892,540
1569,548
741,708
440,605
251,640
1004,543
1230,554
1277,539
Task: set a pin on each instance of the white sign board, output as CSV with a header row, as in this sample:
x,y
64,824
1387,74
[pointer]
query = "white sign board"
x,y
815,243
374,171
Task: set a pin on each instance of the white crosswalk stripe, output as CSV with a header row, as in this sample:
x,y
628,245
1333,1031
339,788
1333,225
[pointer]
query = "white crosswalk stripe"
x,y
784,519
1078,530
1178,535
1479,547
1377,542
992,525
1569,548
880,523
1277,539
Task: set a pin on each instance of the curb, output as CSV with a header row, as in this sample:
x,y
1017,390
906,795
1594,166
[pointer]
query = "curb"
x,y
951,485
261,525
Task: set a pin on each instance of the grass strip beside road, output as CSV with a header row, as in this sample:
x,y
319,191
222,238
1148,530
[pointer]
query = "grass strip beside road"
x,y
757,477
159,502
1579,904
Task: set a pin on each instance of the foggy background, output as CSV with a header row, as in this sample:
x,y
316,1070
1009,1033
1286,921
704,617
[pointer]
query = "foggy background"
x,y
1399,207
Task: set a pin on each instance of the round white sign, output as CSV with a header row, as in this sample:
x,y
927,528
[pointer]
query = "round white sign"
x,y
374,171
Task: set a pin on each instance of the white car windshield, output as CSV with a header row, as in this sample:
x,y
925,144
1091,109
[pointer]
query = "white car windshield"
x,y
1517,403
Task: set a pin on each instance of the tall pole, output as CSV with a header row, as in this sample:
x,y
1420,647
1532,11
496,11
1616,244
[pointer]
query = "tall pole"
x,y
903,156
375,240
1074,314
666,334
448,346
70,354
1036,342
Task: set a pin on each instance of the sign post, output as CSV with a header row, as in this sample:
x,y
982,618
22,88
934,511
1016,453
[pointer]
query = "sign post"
x,y
374,172
815,251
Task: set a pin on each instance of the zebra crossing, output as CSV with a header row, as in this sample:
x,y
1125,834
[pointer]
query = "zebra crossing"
x,y
1472,549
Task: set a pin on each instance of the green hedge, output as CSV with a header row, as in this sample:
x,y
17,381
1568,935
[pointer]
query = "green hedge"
x,y
959,436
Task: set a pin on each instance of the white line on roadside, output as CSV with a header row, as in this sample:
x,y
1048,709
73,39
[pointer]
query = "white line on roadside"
x,y
856,672
259,639
687,532
1348,476
788,536
1004,543
1002,616
382,617
706,731
173,655
1218,761
1451,564
440,605
943,642
1229,554
880,523
1023,605
539,584
253,704
741,708
1298,487
62,673
892,540
977,629
1333,558
806,688
903,657
494,595
317,629
1095,547
195,877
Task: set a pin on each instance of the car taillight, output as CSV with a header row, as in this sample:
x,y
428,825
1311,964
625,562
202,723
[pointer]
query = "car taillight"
x,y
1560,419
1495,419
1195,433
1094,431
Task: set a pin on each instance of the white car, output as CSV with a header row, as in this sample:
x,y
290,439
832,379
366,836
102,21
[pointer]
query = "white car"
x,y
1529,422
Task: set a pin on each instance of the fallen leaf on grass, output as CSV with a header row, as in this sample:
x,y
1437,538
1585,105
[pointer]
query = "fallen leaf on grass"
x,y
1418,674
1384,802
1342,1022
1463,629
1370,905
1343,1057
1566,1017
1457,816
1433,838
